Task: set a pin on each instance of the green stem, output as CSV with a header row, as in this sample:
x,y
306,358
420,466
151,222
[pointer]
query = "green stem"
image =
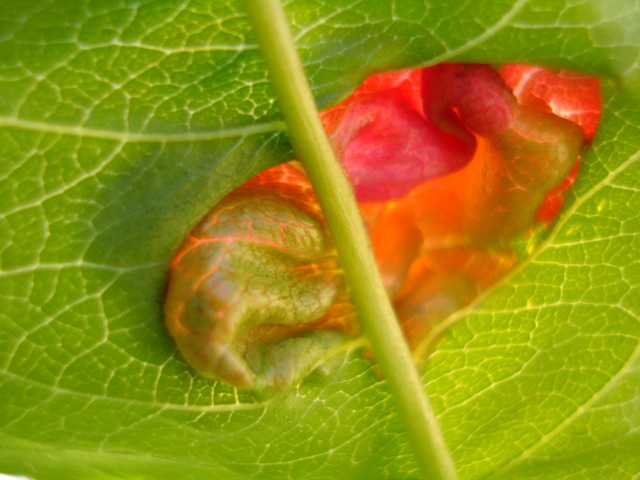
x,y
352,242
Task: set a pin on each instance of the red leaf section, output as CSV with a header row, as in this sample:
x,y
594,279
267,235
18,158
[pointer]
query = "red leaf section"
x,y
450,164
567,94
448,239
386,142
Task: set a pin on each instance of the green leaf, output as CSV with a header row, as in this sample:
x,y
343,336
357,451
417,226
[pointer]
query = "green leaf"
x,y
121,123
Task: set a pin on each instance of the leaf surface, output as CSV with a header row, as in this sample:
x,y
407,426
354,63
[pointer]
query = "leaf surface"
x,y
121,123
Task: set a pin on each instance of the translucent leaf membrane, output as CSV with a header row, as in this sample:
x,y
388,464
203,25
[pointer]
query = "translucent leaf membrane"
x,y
450,165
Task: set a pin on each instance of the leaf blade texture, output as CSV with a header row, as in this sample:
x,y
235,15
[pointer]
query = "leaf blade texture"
x,y
121,124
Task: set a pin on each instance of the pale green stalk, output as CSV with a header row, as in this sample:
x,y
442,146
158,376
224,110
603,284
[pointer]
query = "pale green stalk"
x,y
343,217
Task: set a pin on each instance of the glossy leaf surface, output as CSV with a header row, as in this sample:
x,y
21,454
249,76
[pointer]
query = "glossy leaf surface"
x,y
122,123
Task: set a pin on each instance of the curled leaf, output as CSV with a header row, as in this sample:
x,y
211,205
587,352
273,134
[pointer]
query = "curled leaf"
x,y
387,144
513,171
567,94
251,286
450,164
462,99
448,239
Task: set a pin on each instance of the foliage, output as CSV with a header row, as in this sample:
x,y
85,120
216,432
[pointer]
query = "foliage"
x,y
123,122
